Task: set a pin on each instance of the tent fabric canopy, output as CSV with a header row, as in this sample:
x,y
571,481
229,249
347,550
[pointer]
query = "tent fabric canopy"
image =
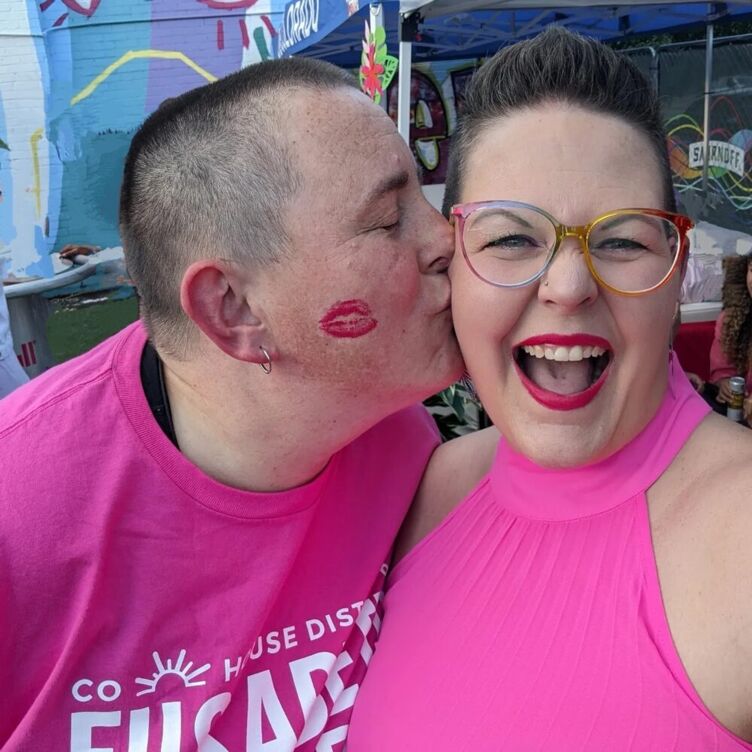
x,y
451,29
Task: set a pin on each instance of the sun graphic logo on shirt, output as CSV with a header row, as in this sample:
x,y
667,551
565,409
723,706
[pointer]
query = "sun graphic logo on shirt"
x,y
164,669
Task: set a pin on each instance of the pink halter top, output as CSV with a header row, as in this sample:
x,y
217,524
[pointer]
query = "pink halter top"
x,y
532,619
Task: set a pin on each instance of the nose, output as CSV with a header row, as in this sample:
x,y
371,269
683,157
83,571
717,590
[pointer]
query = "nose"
x,y
568,283
437,242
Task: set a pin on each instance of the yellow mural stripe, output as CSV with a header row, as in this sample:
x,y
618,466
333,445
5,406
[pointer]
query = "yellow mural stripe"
x,y
139,55
37,189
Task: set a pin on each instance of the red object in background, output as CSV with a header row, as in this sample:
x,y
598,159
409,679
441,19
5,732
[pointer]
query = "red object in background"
x,y
28,356
692,345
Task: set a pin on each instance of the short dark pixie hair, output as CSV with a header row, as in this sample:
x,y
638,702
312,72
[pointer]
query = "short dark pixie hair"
x,y
210,174
557,66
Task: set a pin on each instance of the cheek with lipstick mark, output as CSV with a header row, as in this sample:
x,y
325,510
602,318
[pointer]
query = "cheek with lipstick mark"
x,y
348,319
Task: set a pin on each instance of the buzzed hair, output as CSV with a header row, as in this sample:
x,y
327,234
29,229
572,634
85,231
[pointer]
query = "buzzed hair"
x,y
557,65
209,175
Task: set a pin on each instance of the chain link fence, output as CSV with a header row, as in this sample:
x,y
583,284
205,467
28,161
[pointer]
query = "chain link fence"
x,y
723,196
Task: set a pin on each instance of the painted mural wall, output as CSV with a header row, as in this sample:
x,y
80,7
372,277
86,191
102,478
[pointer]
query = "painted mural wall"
x,y
77,77
437,96
437,92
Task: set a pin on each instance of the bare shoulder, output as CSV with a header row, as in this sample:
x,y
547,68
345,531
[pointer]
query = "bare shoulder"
x,y
720,452
725,450
701,520
703,508
714,470
452,472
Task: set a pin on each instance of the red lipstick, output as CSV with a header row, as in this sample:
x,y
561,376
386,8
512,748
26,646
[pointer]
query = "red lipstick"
x,y
553,400
349,319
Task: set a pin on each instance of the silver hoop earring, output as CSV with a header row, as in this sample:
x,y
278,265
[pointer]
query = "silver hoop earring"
x,y
266,367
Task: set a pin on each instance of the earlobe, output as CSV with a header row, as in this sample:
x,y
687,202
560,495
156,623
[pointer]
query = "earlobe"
x,y
214,297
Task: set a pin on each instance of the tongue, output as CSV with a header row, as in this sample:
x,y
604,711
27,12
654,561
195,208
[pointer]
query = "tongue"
x,y
560,377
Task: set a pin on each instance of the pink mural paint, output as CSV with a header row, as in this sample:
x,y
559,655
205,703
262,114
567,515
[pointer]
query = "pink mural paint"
x,y
84,7
244,33
269,26
220,35
228,4
348,318
231,5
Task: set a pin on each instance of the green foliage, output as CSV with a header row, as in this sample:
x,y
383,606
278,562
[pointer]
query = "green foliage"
x,y
455,411
391,64
377,68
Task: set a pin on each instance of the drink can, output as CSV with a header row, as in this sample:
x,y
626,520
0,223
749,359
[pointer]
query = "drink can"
x,y
735,407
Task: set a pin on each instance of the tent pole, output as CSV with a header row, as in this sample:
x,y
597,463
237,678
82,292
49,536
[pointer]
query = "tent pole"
x,y
706,113
403,81
655,68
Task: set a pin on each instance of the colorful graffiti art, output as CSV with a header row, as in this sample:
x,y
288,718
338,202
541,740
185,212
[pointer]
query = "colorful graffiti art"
x,y
257,26
377,68
87,9
80,76
436,96
729,153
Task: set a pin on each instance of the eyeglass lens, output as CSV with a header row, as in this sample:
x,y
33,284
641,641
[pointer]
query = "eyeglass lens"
x,y
630,251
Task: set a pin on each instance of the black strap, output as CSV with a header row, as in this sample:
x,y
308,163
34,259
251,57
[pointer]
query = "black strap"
x,y
152,380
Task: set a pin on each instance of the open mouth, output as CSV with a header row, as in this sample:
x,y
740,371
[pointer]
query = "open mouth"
x,y
563,372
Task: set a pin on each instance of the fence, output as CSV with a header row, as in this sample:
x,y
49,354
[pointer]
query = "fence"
x,y
723,196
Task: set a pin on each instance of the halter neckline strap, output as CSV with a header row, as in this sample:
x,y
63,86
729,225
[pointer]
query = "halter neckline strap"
x,y
534,492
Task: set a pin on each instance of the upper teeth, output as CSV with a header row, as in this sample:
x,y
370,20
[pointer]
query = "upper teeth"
x,y
557,352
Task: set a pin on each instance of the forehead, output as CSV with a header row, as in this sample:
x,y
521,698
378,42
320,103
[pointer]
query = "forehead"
x,y
341,139
570,161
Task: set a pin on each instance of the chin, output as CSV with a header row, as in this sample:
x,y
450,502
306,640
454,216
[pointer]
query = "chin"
x,y
419,387
452,367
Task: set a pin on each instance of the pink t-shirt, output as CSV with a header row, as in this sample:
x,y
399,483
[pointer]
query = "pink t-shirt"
x,y
531,619
721,366
145,607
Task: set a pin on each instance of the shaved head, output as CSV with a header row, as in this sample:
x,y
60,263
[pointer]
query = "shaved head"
x,y
209,175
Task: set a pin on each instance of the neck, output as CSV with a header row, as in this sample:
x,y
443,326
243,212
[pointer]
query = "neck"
x,y
266,436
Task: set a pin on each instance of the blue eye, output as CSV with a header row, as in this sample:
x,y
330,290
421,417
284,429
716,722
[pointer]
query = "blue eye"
x,y
513,241
618,249
617,244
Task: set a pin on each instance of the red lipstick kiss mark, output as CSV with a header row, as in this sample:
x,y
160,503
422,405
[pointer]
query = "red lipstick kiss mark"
x,y
348,318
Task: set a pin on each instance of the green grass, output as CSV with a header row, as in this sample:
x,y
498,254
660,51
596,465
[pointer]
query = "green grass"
x,y
75,326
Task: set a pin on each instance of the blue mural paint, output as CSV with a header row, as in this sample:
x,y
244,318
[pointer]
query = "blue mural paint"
x,y
7,229
94,71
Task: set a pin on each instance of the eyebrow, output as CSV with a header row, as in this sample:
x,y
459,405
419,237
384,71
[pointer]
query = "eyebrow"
x,y
616,221
509,213
391,183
